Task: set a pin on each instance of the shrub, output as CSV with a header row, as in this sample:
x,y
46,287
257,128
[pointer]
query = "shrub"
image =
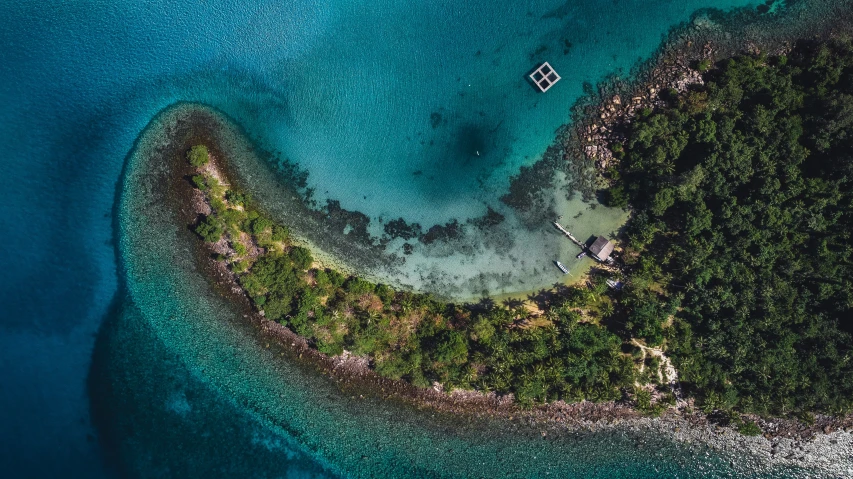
x,y
198,156
301,258
616,197
260,225
385,293
209,229
251,216
200,182
333,349
618,150
643,398
452,348
279,233
807,417
663,199
483,331
237,199
232,217
273,284
358,286
749,428
240,266
215,188
217,205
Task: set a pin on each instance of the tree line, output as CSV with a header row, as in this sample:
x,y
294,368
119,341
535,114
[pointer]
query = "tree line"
x,y
560,354
740,245
738,255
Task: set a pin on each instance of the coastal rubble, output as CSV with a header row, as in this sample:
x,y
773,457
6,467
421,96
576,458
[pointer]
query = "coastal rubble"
x,y
599,121
826,443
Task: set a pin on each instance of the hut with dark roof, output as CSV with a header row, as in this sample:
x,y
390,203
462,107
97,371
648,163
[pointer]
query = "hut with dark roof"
x,y
601,248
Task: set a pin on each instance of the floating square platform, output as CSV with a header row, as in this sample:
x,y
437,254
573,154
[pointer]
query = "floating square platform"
x,y
544,77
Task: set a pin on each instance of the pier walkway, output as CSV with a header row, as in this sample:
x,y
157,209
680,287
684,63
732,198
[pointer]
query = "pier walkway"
x,y
566,232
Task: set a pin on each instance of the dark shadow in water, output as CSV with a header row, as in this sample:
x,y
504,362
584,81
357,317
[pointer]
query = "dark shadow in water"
x,y
470,144
99,387
131,379
98,384
24,305
154,418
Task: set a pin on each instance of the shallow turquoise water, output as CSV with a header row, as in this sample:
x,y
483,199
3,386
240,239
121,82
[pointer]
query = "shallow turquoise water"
x,y
423,110
185,384
80,80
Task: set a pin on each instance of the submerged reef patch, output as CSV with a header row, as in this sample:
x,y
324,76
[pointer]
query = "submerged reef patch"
x,y
363,431
335,409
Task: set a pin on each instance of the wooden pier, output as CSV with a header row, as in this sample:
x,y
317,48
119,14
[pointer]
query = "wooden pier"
x,y
569,235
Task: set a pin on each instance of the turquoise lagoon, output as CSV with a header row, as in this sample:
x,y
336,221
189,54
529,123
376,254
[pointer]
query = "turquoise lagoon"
x,y
186,386
386,106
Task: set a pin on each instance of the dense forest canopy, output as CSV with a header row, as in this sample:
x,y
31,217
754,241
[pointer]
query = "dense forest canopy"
x,y
559,354
740,246
738,255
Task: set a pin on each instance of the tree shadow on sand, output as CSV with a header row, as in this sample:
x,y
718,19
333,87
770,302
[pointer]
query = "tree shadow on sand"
x,y
546,298
513,303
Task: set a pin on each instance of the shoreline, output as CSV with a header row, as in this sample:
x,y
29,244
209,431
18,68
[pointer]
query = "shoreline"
x,y
598,120
354,374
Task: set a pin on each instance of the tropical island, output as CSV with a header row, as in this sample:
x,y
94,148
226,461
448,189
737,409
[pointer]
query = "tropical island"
x,y
739,246
736,263
406,335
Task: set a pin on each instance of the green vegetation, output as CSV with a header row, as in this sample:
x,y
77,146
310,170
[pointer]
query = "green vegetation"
x,y
556,355
235,198
198,156
704,65
740,245
749,428
199,182
643,398
739,255
210,229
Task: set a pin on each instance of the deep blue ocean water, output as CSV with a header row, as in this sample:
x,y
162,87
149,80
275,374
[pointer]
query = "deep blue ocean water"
x,y
347,90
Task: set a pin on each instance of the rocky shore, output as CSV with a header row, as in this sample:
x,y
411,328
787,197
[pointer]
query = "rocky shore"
x,y
599,121
825,443
821,443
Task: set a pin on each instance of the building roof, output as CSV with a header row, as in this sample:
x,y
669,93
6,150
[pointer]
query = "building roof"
x,y
601,248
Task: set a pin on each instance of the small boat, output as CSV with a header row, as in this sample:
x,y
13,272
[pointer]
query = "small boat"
x,y
581,255
562,268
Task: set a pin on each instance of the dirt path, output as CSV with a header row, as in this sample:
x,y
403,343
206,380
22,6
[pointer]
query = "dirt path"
x,y
666,372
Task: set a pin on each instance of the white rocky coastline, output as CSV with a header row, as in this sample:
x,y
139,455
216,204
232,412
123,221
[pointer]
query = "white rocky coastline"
x,y
824,455
822,450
